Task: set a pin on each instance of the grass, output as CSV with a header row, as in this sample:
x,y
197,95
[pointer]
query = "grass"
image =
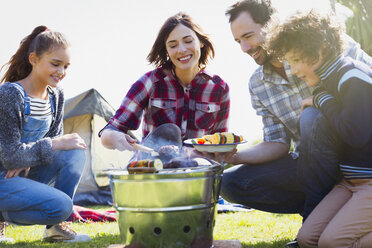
x,y
257,229
253,229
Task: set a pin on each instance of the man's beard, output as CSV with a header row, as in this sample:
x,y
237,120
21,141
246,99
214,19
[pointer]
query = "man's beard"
x,y
263,58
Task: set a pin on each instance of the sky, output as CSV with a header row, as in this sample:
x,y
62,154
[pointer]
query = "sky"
x,y
111,39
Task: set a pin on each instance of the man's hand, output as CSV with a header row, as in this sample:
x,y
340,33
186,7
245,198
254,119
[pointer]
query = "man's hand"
x,y
225,157
15,172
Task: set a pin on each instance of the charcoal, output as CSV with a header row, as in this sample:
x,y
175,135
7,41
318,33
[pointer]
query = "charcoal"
x,y
166,153
180,162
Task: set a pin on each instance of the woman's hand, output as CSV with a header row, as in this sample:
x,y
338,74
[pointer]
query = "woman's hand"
x,y
68,142
15,172
307,102
112,139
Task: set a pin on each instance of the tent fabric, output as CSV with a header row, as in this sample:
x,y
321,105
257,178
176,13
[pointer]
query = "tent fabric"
x,y
86,114
88,102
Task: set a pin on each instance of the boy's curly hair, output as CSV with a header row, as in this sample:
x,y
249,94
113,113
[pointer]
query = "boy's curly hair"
x,y
306,34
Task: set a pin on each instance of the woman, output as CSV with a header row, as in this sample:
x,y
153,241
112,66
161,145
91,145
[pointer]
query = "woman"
x,y
179,99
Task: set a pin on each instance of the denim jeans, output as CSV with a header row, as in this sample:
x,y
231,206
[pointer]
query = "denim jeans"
x,y
320,149
289,185
31,200
270,187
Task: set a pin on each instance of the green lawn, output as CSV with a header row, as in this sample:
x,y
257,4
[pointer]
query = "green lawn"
x,y
252,229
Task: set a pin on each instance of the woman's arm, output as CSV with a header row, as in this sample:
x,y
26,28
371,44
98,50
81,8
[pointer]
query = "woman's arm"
x,y
128,116
221,124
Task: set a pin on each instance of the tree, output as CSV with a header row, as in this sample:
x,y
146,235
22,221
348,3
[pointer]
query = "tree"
x,y
359,26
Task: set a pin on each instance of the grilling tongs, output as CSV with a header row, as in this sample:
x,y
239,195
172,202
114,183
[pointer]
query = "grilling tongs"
x,y
146,149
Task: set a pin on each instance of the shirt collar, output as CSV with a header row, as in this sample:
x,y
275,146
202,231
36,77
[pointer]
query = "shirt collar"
x,y
170,73
270,75
329,65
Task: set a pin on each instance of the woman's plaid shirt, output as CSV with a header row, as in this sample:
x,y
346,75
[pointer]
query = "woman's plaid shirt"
x,y
202,108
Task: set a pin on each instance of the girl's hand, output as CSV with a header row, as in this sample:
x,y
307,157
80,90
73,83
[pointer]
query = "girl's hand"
x,y
15,172
112,139
307,102
68,142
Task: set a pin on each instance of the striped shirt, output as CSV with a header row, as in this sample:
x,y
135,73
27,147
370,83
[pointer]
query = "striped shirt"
x,y
278,101
199,109
345,99
354,172
40,107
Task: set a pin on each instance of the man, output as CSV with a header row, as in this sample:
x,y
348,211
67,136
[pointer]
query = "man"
x,y
269,177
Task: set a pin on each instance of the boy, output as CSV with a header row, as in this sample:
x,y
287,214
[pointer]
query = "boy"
x,y
312,45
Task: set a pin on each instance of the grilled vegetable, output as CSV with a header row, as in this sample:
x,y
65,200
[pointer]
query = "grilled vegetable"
x,y
225,138
157,164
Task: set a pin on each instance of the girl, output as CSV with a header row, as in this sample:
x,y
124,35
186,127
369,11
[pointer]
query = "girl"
x,y
34,153
179,99
312,45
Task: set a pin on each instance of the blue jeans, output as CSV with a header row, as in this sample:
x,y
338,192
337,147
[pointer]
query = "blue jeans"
x,y
32,200
320,149
289,185
27,201
270,187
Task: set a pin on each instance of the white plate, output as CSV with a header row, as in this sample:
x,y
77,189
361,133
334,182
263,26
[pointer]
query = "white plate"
x,y
213,147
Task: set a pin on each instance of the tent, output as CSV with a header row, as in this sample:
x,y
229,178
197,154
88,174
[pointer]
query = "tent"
x,y
86,114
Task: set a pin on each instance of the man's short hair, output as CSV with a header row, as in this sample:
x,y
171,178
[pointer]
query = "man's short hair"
x,y
260,10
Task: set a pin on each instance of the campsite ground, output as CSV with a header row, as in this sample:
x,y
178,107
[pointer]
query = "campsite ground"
x,y
253,229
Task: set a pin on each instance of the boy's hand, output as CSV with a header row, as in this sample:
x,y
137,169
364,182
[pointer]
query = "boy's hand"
x,y
15,172
307,102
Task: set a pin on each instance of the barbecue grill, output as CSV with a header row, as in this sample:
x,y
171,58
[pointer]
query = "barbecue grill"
x,y
171,208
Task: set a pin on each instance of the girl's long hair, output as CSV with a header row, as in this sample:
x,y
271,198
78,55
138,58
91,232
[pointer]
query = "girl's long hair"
x,y
41,40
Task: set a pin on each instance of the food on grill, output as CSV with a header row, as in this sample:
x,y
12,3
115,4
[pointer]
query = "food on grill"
x,y
180,162
157,164
219,138
168,152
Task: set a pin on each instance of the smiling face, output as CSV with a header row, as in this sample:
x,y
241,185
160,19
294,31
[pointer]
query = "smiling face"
x,y
183,48
50,67
303,69
249,35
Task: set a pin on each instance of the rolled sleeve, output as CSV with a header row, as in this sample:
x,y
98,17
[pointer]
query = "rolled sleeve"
x,y
273,129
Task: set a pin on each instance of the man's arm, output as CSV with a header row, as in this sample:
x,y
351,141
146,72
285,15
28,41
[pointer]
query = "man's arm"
x,y
276,142
276,135
353,50
260,153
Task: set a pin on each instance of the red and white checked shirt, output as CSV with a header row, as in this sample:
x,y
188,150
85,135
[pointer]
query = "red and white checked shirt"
x,y
202,108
